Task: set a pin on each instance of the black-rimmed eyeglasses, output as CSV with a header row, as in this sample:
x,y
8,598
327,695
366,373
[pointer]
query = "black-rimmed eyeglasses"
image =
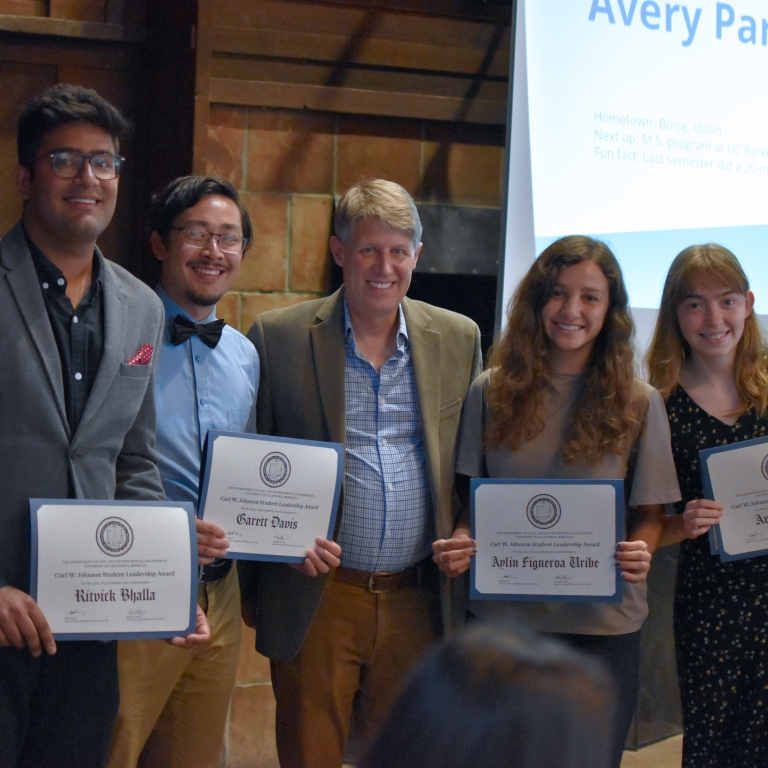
x,y
67,164
198,237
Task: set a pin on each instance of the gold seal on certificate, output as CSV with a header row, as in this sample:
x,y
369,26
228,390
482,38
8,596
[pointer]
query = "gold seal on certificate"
x,y
736,475
108,570
546,539
272,495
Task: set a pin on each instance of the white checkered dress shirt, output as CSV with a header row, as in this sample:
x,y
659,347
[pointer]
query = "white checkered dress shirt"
x,y
387,523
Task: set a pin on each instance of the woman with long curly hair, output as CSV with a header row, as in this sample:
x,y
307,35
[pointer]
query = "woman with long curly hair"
x,y
560,400
709,359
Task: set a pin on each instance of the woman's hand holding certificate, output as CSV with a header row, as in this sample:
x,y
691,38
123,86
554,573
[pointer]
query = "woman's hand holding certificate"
x,y
699,516
737,476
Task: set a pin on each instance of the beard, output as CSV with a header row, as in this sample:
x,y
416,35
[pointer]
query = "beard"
x,y
200,300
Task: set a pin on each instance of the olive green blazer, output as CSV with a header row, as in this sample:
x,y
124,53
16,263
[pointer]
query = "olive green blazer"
x,y
301,395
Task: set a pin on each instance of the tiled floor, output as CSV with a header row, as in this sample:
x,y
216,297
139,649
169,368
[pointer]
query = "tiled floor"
x,y
663,754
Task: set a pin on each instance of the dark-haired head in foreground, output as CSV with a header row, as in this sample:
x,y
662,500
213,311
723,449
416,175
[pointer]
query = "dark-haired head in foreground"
x,y
492,699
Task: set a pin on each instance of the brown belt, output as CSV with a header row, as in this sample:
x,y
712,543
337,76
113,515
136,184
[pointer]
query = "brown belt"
x,y
378,583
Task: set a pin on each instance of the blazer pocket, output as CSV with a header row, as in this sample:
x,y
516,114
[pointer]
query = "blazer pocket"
x,y
135,371
450,410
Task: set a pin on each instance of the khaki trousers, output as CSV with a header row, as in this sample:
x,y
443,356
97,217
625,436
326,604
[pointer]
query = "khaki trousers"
x,y
174,701
359,649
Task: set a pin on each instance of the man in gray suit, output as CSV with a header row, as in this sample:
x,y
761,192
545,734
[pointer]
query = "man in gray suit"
x,y
77,415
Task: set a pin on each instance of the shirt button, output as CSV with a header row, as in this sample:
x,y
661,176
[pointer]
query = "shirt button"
x,y
389,486
382,401
45,285
202,401
74,319
384,441
78,376
61,281
198,358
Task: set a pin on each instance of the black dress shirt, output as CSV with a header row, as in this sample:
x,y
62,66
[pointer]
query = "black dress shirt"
x,y
79,332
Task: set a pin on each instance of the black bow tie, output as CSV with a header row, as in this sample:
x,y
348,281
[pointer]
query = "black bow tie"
x,y
183,329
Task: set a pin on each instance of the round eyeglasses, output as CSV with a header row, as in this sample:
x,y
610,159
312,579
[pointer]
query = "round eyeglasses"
x,y
67,164
197,237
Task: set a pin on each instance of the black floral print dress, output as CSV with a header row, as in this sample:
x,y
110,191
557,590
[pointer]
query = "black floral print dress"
x,y
721,615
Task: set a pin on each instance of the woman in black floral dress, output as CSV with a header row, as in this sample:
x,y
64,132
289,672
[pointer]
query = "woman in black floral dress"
x,y
708,360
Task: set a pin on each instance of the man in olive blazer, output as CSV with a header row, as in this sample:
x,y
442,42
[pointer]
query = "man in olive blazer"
x,y
304,351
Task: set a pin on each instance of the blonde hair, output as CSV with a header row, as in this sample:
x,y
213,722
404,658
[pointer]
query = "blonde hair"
x,y
605,417
377,199
711,264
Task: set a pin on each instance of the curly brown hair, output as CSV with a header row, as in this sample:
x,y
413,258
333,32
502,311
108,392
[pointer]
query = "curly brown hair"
x,y
605,416
713,265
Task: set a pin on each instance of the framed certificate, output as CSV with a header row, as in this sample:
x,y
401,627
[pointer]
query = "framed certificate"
x,y
736,475
272,495
114,570
546,539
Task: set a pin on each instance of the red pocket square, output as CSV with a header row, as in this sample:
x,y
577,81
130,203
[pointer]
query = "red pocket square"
x,y
143,356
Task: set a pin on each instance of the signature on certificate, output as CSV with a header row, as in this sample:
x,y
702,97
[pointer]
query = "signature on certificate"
x,y
234,535
76,612
136,612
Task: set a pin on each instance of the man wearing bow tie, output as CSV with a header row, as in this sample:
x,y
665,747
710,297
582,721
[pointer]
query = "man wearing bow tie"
x,y
174,702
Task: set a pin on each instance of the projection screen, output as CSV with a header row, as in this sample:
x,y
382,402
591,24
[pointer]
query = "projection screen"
x,y
644,124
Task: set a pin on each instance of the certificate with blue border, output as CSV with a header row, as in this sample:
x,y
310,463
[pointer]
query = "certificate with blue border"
x,y
273,496
736,475
114,570
546,539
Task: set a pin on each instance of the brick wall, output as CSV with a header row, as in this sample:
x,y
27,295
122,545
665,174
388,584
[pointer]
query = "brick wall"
x,y
290,164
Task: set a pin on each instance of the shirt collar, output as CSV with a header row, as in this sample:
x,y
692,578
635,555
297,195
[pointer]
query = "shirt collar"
x,y
402,330
50,275
172,308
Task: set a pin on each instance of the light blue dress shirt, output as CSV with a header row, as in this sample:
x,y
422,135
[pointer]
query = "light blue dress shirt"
x,y
196,389
388,523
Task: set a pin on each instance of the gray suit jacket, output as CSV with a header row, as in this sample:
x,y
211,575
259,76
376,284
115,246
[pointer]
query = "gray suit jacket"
x,y
111,455
301,395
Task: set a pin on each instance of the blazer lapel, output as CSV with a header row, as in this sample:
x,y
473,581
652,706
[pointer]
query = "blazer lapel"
x,y
328,351
425,359
23,282
114,343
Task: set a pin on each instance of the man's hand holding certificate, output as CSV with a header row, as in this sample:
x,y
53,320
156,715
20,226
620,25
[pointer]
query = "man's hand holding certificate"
x,y
273,496
736,475
545,539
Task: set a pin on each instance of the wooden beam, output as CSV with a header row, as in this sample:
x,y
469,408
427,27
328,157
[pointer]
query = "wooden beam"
x,y
86,30
490,10
377,52
202,43
356,101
